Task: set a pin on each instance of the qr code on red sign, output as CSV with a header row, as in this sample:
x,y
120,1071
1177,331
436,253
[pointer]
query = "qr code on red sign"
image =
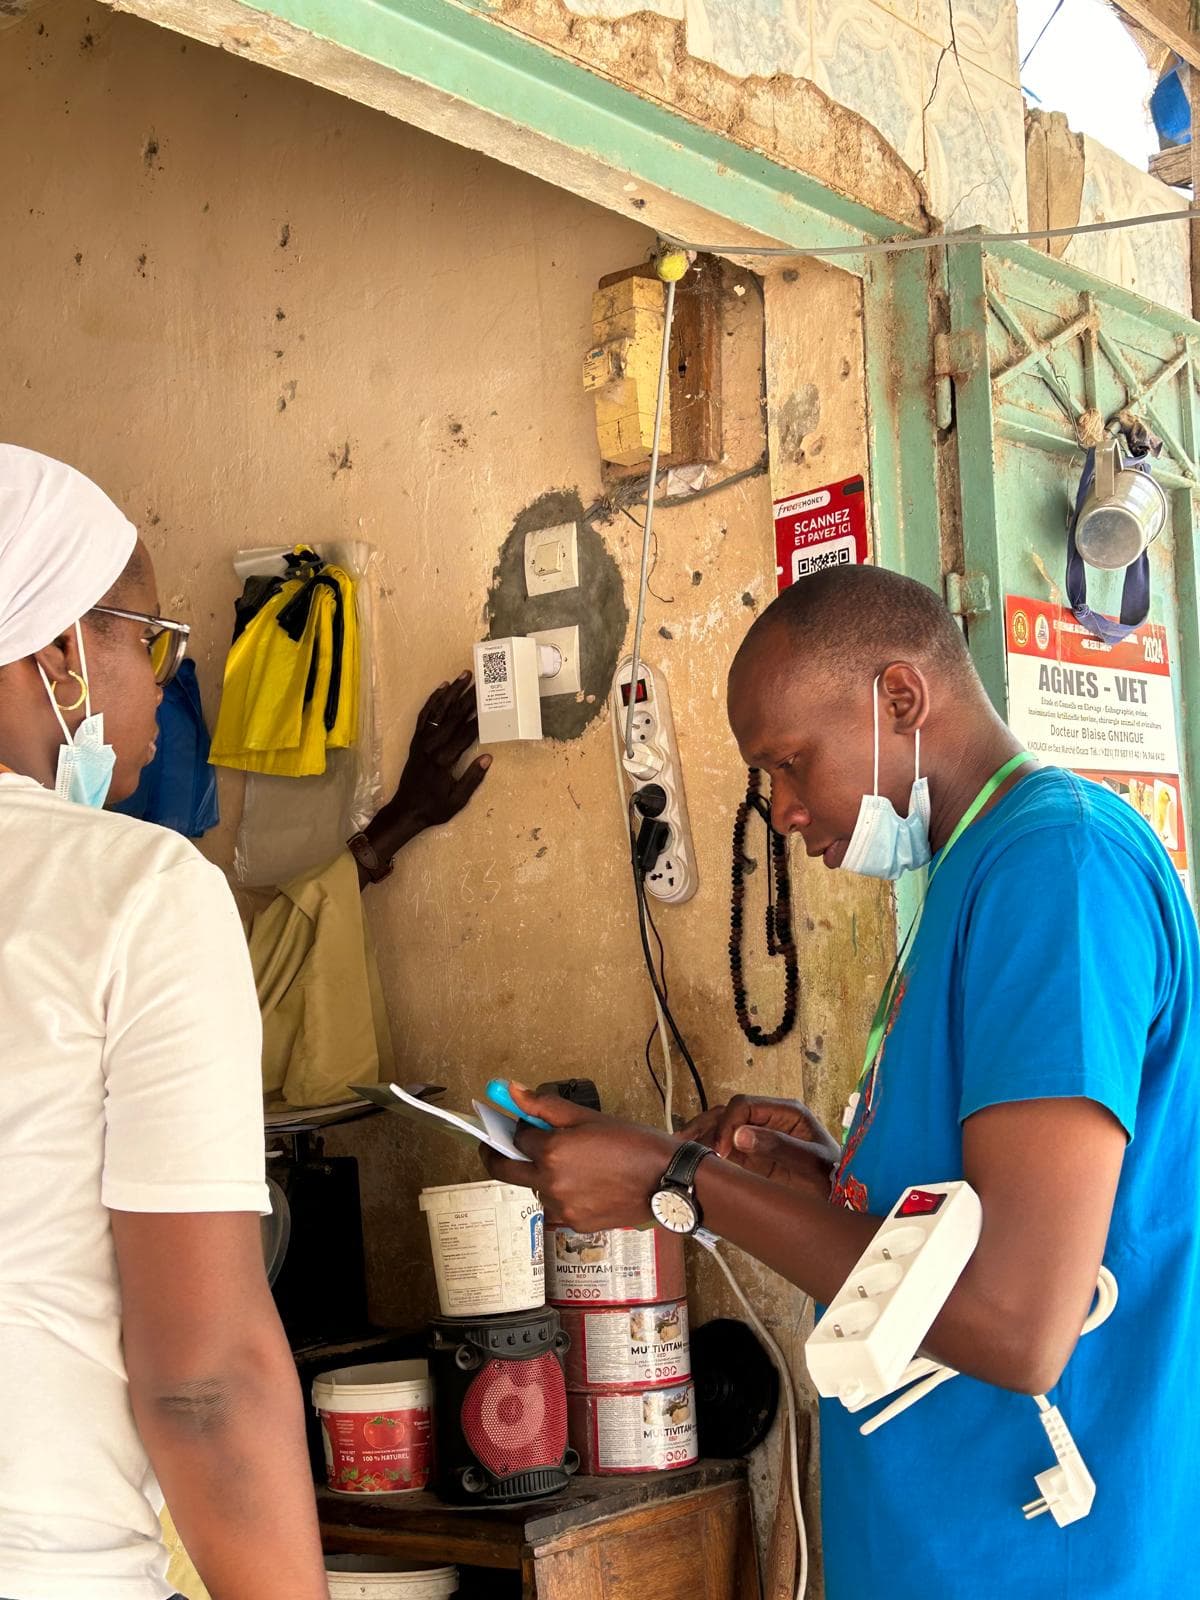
x,y
819,560
495,667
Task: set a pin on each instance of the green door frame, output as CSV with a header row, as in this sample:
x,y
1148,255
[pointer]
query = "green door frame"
x,y
978,427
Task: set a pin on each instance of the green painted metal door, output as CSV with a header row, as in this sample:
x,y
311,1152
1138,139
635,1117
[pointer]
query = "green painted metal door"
x,y
1038,354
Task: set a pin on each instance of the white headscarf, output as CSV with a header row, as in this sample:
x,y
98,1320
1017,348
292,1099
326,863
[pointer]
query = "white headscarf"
x,y
63,544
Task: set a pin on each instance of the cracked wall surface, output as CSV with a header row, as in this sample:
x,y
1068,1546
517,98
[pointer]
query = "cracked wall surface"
x,y
813,85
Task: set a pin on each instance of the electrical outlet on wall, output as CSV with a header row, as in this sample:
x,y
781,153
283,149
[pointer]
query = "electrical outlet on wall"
x,y
673,878
566,641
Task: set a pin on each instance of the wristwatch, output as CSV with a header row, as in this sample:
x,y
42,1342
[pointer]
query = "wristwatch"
x,y
674,1202
368,858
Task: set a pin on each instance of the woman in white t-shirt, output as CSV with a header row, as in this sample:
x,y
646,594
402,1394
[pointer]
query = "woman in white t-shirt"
x,y
138,1338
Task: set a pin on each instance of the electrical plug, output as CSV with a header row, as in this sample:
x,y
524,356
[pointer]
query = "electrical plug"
x,y
1068,1489
653,838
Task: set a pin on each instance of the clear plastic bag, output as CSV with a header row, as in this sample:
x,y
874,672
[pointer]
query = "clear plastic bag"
x,y
290,825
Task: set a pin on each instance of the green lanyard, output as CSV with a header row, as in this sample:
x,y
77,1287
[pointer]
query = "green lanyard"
x,y
879,1023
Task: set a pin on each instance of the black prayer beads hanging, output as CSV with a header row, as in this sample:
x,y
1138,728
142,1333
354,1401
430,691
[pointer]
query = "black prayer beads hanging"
x,y
780,934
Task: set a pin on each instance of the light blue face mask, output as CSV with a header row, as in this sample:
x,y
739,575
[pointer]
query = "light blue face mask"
x,y
884,845
85,762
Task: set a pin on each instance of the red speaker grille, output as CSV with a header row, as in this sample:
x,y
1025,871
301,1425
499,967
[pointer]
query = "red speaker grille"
x,y
514,1415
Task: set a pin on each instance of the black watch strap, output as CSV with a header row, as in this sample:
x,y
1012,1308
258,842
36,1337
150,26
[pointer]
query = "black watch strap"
x,y
364,852
684,1164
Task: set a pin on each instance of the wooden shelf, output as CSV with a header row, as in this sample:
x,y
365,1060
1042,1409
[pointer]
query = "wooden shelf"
x,y
661,1532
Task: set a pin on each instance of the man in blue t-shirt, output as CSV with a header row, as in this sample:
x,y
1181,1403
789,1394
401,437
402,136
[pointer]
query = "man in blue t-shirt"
x,y
1040,1040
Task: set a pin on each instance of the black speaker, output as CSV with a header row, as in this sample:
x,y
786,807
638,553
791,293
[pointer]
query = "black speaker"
x,y
321,1287
500,1407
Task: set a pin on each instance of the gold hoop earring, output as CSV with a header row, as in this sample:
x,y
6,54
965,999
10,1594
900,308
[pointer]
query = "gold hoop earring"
x,y
83,694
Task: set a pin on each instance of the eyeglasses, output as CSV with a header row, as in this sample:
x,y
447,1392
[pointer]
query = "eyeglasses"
x,y
167,643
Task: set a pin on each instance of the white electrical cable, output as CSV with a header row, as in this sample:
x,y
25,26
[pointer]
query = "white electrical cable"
x,y
1102,1309
644,584
668,1063
789,1392
777,1356
930,241
1105,1305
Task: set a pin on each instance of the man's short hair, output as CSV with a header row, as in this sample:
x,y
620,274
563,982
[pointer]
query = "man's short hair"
x,y
855,621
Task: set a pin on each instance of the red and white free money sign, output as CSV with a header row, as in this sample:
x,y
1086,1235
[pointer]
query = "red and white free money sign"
x,y
1104,710
821,528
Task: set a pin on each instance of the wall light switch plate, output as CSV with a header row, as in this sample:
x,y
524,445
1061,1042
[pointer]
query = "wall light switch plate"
x,y
566,641
552,559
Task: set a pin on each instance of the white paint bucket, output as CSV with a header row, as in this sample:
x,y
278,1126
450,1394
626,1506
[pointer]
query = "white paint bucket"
x,y
619,1267
488,1251
627,1347
379,1578
642,1430
376,1427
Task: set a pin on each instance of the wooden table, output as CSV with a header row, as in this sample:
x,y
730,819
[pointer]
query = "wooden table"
x,y
652,1536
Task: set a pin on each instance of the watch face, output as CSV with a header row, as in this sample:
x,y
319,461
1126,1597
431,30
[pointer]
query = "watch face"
x,y
673,1210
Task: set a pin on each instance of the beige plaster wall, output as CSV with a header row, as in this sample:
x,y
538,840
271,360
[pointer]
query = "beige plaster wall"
x,y
257,312
1072,179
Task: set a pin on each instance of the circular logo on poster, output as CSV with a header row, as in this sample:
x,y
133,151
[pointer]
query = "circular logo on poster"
x,y
1020,629
1041,632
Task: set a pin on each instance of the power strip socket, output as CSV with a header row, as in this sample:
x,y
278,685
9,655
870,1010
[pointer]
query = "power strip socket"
x,y
673,877
877,1321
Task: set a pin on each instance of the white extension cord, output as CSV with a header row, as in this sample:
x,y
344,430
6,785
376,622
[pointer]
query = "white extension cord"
x,y
1067,1488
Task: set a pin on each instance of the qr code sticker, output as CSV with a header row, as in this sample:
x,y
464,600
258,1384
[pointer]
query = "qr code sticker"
x,y
495,667
819,560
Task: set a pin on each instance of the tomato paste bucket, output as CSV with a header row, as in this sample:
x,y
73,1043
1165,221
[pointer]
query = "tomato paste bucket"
x,y
376,1426
488,1254
379,1578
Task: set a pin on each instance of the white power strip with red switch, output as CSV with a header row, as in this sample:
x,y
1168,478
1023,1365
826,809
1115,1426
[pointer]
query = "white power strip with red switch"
x,y
877,1321
865,1346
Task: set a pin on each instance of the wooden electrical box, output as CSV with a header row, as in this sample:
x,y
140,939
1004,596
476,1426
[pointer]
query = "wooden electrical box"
x,y
621,368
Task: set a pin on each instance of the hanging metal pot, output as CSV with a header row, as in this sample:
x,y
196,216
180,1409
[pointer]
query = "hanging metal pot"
x,y
1123,511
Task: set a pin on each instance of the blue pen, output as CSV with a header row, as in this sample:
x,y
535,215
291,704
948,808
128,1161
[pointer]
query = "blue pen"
x,y
500,1095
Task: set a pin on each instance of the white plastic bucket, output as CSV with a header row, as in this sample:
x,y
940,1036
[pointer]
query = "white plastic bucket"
x,y
488,1251
376,1427
379,1578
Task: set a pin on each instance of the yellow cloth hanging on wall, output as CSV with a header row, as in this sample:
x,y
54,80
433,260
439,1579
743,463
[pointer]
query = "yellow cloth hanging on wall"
x,y
324,1022
292,676
181,1574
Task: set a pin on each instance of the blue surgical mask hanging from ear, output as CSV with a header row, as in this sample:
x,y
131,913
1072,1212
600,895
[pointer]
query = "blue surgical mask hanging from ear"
x,y
85,762
884,845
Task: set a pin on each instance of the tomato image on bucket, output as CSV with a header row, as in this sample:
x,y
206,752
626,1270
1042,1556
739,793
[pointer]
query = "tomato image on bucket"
x,y
376,1427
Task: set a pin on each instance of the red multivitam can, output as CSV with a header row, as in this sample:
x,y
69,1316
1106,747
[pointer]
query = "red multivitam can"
x,y
376,1426
627,1347
643,1430
618,1267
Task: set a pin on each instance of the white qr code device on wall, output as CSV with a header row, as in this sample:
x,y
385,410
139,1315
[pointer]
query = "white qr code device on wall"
x,y
514,675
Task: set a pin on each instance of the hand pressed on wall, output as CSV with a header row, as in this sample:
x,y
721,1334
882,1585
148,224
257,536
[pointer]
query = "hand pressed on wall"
x,y
428,794
779,1139
592,1172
